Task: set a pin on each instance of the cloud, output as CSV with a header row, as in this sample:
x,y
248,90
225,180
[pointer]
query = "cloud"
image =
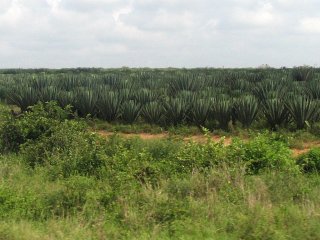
x,y
262,15
310,25
11,13
122,11
181,33
162,20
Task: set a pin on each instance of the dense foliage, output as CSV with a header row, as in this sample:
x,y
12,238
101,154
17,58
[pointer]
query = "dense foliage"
x,y
213,98
60,181
310,161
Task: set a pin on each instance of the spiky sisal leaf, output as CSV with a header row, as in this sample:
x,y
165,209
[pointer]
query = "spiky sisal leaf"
x,y
302,110
109,105
144,96
66,98
303,73
185,83
49,93
153,112
86,102
313,89
23,96
130,111
246,109
199,112
270,89
222,109
275,112
176,110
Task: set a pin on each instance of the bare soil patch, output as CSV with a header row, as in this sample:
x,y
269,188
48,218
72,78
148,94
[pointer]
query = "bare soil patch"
x,y
306,147
149,136
203,139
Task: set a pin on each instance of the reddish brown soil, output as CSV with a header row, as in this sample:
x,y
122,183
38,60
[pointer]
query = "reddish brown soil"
x,y
144,136
306,147
148,136
202,139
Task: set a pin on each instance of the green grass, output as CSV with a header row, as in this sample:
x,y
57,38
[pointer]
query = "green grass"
x,y
222,204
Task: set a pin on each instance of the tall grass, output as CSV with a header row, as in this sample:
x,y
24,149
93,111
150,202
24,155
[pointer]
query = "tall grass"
x,y
224,203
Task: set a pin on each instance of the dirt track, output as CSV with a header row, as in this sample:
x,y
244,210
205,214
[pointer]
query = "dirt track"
x,y
202,139
148,136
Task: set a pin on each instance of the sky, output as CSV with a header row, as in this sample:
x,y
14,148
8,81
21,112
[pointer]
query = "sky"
x,y
159,33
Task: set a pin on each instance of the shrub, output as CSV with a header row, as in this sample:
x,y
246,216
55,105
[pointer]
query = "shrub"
x,y
70,149
10,136
39,120
310,162
199,156
128,168
268,152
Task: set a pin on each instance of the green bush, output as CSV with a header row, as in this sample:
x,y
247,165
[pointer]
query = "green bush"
x,y
310,162
69,150
41,118
10,133
10,136
268,151
30,125
128,168
198,156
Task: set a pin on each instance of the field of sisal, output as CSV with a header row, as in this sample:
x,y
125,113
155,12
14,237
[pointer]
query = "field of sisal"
x,y
159,154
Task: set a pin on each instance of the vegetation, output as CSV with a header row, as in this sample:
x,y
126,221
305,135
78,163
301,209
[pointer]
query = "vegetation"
x,y
310,161
211,98
61,180
58,180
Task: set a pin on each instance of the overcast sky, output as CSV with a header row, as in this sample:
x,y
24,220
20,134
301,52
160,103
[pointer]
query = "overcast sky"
x,y
159,33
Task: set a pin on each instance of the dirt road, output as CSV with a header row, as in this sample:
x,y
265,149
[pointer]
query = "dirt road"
x,y
306,146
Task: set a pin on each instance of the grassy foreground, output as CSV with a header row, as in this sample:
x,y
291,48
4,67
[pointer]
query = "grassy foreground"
x,y
60,181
